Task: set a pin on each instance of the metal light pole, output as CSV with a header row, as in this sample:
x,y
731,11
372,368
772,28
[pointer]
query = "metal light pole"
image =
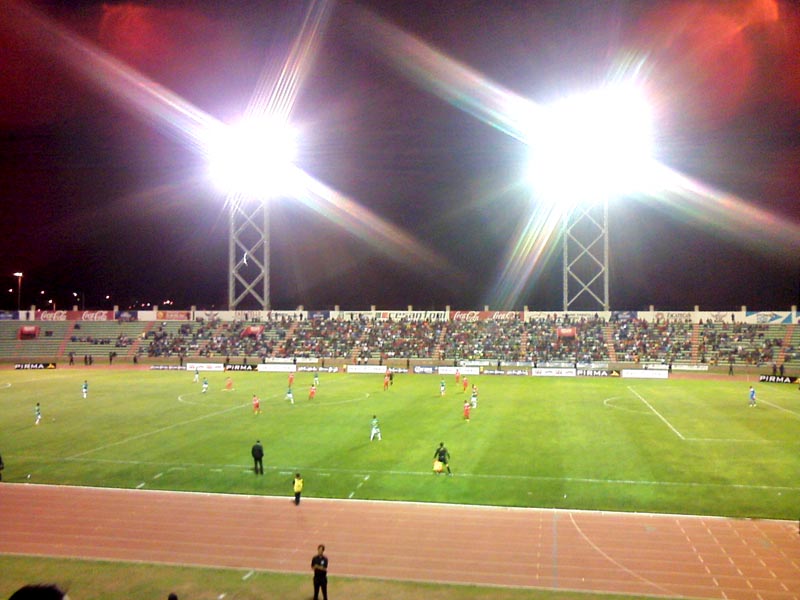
x,y
18,275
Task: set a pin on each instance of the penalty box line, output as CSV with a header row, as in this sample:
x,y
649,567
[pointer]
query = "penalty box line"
x,y
658,414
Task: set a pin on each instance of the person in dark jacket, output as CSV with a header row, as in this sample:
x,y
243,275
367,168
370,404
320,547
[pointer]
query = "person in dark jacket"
x,y
258,457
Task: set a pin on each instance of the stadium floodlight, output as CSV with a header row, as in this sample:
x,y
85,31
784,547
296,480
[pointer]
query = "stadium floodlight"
x,y
592,146
585,150
253,157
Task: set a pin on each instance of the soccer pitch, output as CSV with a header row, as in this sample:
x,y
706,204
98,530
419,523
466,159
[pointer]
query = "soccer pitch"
x,y
678,446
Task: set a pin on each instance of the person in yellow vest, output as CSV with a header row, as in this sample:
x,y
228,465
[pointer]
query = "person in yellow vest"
x,y
298,488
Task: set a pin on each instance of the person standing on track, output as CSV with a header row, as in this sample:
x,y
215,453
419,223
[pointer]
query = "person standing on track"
x,y
298,488
320,566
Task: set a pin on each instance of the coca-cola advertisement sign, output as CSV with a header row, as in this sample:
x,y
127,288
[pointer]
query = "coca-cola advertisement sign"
x,y
51,315
75,315
471,316
93,315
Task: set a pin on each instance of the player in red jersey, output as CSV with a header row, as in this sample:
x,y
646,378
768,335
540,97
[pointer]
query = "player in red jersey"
x,y
466,411
312,393
256,405
291,379
464,384
386,381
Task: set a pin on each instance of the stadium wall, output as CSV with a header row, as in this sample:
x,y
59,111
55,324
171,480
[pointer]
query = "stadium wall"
x,y
193,314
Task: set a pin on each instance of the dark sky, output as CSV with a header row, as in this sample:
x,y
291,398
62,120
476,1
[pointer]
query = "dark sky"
x,y
100,200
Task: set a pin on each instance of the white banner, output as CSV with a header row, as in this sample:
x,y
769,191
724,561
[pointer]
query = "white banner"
x,y
205,366
276,368
462,370
370,369
553,372
644,374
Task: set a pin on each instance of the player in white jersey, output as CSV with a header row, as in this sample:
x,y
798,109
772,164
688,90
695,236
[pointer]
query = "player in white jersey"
x,y
376,429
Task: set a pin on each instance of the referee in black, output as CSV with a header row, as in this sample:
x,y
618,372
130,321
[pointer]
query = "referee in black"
x,y
442,454
258,457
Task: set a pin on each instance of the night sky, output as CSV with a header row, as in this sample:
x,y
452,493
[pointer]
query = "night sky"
x,y
100,199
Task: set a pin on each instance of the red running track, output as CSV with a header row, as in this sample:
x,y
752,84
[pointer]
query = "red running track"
x,y
659,555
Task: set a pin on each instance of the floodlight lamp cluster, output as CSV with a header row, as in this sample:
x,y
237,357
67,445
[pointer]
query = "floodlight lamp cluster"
x,y
591,147
253,157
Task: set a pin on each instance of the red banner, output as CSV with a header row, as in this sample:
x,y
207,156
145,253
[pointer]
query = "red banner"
x,y
252,331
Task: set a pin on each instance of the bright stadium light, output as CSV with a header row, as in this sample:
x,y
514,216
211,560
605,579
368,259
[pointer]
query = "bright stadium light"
x,y
585,150
592,146
254,157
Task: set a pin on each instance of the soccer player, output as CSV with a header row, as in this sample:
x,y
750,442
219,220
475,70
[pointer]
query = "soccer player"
x,y
228,384
316,379
205,384
37,412
458,376
376,429
290,395
196,375
467,407
464,384
85,389
291,379
386,382
442,387
752,396
473,401
312,393
256,405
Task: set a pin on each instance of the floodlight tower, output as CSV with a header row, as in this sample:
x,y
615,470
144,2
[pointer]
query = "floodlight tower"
x,y
253,160
585,246
248,252
590,148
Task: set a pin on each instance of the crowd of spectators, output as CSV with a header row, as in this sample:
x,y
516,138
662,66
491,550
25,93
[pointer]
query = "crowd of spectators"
x,y
739,343
666,342
549,340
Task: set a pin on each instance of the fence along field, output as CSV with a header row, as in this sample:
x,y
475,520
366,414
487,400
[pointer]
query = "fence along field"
x,y
675,446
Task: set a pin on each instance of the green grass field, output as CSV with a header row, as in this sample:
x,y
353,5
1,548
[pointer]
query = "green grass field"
x,y
99,580
677,446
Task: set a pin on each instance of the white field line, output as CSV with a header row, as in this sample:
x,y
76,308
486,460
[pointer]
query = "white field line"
x,y
427,474
708,440
156,431
658,414
791,412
